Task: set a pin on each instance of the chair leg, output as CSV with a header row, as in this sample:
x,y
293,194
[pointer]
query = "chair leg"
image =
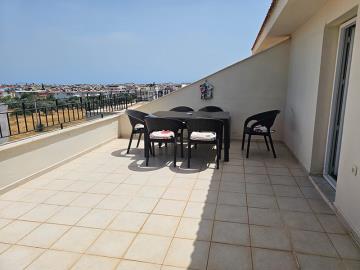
x,y
147,148
153,149
248,146
218,155
243,141
131,137
267,145
175,146
137,145
189,153
272,146
182,143
166,145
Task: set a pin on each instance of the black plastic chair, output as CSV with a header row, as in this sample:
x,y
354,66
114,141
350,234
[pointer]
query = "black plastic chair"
x,y
182,109
137,122
211,109
205,131
158,124
261,126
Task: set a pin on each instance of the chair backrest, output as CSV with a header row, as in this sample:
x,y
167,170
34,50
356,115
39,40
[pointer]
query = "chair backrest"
x,y
158,123
182,109
136,117
211,109
265,119
205,124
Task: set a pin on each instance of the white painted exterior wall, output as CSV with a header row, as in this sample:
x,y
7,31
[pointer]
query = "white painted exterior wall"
x,y
309,87
3,123
253,85
22,159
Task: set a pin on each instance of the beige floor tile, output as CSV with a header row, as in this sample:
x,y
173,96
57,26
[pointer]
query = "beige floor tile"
x,y
293,204
80,186
255,170
41,212
352,265
159,181
38,196
141,204
169,207
265,217
261,201
18,257
4,247
58,184
269,237
62,198
257,178
190,228
103,188
114,202
302,221
16,209
4,222
331,224
90,262
176,194
278,171
111,244
128,221
132,265
265,259
77,239
282,180
88,200
44,236
166,267
151,192
16,230
200,210
69,215
233,186
160,225
231,233
203,184
54,260
312,262
137,179
98,218
116,178
287,191
253,163
126,189
310,193
139,250
320,207
16,194
188,253
232,177
259,189
345,246
232,198
229,257
231,213
233,169
312,242
182,183
204,196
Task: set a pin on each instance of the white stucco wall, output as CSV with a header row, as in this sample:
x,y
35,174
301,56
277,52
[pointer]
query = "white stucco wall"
x,y
22,159
253,85
306,63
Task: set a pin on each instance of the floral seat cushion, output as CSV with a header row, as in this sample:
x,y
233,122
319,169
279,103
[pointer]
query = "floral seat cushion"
x,y
203,136
162,135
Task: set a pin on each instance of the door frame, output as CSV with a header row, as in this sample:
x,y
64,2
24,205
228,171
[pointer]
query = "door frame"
x,y
335,93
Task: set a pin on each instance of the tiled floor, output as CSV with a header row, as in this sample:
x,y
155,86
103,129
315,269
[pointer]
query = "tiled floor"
x,y
105,210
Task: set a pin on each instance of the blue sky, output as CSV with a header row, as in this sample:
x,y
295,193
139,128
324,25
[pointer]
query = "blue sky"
x,y
109,41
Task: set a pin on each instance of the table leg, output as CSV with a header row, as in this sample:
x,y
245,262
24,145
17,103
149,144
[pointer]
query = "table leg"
x,y
226,140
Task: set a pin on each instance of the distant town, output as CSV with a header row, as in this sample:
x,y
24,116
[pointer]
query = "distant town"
x,y
147,92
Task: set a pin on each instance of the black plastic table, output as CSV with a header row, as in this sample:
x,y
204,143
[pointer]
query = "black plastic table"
x,y
183,116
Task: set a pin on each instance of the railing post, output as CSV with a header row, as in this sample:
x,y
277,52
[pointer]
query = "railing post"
x,y
126,102
24,113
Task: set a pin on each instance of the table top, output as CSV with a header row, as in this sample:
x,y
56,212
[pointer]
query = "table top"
x,y
198,114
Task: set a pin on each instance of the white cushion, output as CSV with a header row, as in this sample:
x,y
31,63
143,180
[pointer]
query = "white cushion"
x,y
261,129
203,136
139,126
162,135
